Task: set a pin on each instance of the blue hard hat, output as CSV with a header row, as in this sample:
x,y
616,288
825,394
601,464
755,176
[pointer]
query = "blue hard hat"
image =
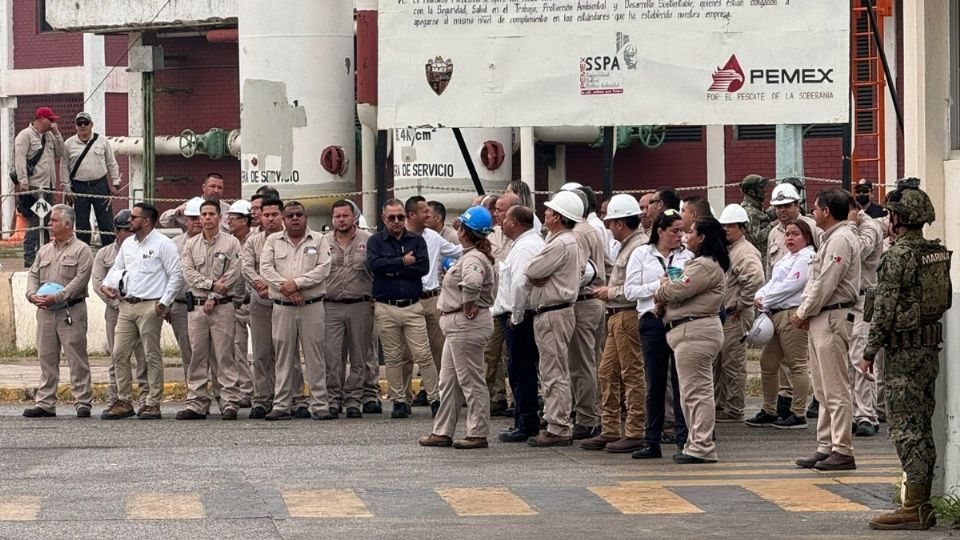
x,y
52,288
448,262
478,220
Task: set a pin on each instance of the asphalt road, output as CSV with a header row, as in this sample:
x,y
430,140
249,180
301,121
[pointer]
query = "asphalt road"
x,y
87,478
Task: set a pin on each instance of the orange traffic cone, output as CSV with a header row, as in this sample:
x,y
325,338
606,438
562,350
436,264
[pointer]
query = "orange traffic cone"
x,y
19,232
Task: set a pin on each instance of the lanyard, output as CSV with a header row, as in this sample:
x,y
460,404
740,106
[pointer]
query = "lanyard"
x,y
669,262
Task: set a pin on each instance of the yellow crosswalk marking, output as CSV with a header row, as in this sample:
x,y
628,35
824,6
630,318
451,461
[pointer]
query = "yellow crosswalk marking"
x,y
801,496
485,502
19,508
635,499
165,506
325,503
791,471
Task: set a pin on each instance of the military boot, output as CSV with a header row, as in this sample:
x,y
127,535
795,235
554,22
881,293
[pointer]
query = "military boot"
x,y
914,514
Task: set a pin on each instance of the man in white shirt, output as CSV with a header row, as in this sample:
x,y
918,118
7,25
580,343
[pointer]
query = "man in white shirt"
x,y
147,276
511,309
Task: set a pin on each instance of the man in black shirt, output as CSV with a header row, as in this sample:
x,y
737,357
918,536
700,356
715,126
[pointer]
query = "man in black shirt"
x,y
398,260
864,195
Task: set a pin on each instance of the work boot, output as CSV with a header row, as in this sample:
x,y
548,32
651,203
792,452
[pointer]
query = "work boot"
x,y
421,399
915,514
545,438
599,442
119,409
808,463
724,417
497,407
435,440
38,412
813,410
584,432
373,407
625,445
836,462
150,413
470,443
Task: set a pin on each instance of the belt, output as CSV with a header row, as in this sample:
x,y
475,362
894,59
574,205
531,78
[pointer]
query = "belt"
x,y
405,302
458,310
430,294
555,307
220,302
673,324
775,311
588,296
615,310
845,305
71,303
348,300
179,301
135,300
305,302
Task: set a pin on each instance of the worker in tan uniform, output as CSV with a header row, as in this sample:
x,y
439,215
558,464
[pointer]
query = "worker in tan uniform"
x,y
555,275
691,306
785,200
349,314
102,262
828,298
61,315
177,315
467,294
589,314
744,279
295,264
261,317
211,190
211,267
620,373
240,220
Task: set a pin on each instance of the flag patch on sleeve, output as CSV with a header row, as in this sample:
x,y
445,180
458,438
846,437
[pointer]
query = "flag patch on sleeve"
x,y
837,259
685,279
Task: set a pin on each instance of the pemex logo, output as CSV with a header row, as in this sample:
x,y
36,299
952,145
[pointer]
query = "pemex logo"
x,y
729,78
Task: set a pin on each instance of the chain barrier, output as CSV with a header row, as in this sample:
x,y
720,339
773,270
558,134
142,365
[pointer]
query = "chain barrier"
x,y
433,188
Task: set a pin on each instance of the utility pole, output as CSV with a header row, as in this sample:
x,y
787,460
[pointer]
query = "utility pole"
x,y
790,151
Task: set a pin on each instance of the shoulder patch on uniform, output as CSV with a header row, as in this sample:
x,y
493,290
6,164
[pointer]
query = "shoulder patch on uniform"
x,y
685,279
837,259
477,268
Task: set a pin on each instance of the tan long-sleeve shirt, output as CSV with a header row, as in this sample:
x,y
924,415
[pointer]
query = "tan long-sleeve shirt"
x,y
67,263
307,264
697,293
744,278
98,163
350,278
26,144
560,264
834,272
869,234
250,264
592,247
471,279
102,263
208,261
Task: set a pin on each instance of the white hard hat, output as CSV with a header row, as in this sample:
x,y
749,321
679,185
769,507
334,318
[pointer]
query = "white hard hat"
x,y
570,186
733,213
589,273
621,206
192,208
784,194
241,207
567,204
762,330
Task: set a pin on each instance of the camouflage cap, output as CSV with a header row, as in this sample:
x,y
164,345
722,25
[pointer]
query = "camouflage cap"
x,y
911,203
754,185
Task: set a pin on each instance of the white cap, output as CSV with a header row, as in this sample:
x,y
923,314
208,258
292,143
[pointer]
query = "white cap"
x,y
192,209
733,213
784,194
567,204
570,186
621,206
241,207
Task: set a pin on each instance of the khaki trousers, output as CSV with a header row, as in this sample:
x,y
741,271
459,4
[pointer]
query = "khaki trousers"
x,y
110,315
829,351
212,350
241,337
621,367
864,391
138,326
431,316
178,321
297,328
494,359
787,351
583,360
730,367
553,331
403,328
462,374
348,328
695,345
53,334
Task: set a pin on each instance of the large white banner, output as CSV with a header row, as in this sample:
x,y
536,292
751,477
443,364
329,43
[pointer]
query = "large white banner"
x,y
499,63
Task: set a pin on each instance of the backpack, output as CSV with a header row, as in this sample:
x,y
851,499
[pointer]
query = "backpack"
x,y
933,276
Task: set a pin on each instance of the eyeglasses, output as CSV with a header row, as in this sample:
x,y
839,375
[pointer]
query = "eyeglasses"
x,y
81,123
293,214
135,216
396,218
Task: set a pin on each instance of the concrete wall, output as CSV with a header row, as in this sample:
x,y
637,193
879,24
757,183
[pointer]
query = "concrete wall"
x,y
118,14
19,316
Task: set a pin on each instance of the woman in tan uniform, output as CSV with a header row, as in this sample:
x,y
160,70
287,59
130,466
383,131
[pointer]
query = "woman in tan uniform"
x,y
691,306
468,292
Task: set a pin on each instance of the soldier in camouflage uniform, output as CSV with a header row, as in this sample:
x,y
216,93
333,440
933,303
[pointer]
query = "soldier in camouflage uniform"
x,y
754,188
913,291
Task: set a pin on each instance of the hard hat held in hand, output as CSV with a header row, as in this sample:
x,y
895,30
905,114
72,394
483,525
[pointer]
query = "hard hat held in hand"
x,y
192,208
567,205
52,288
762,330
733,213
621,206
478,220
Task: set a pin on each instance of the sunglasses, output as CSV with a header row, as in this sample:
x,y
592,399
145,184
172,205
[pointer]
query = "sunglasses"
x,y
396,218
83,123
293,214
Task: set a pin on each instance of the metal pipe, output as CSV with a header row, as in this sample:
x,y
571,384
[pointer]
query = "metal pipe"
x,y
164,145
149,147
609,147
528,145
468,159
381,168
368,154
